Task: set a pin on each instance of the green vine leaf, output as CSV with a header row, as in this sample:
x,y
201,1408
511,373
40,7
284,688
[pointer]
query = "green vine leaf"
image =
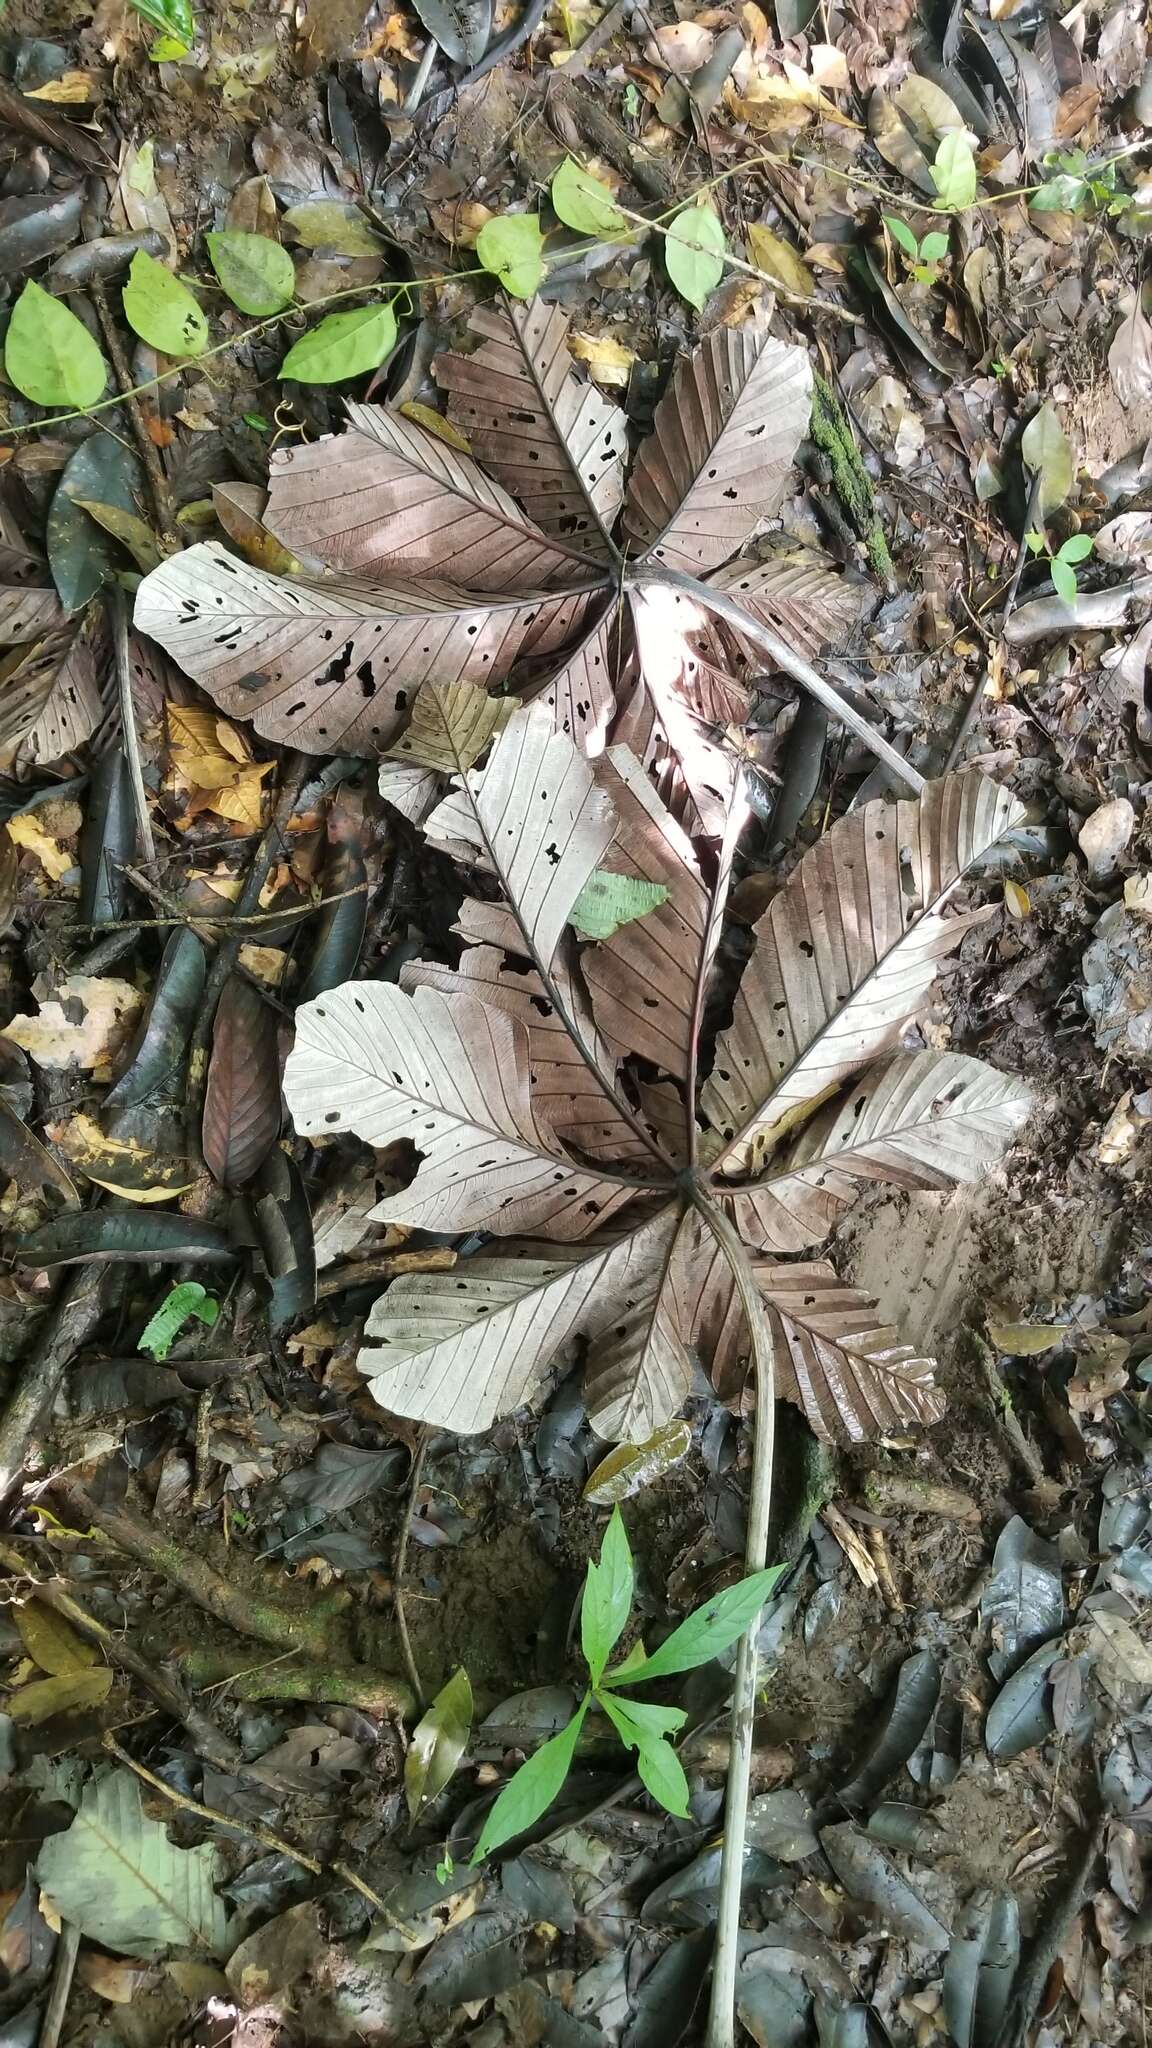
x,y
171,17
49,354
162,311
694,253
584,202
954,173
257,274
344,345
1063,579
189,1299
512,248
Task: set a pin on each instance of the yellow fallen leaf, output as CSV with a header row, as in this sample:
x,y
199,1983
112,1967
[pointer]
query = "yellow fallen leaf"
x,y
609,361
71,89
83,1024
121,1165
628,1467
1017,901
46,1696
112,1977
435,423
1026,1340
267,963
772,254
232,742
51,1643
26,831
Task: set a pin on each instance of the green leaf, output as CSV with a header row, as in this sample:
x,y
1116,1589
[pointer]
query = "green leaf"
x,y
584,202
173,17
117,1877
1036,541
1063,580
608,901
1047,453
334,225
694,253
660,1769
438,1742
161,310
531,1792
954,172
934,248
512,248
1059,195
69,1692
607,1598
630,1467
187,1300
901,233
257,274
1076,548
49,354
712,1628
344,345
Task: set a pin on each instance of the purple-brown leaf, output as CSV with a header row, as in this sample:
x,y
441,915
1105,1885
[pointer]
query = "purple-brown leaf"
x,y
242,1100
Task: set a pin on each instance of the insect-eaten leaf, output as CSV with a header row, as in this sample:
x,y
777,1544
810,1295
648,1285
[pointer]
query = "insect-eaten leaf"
x,y
512,247
344,345
49,354
608,901
161,310
187,1302
584,202
438,1743
258,275
694,253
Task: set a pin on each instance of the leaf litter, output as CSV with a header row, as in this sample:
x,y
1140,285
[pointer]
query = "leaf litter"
x,y
575,803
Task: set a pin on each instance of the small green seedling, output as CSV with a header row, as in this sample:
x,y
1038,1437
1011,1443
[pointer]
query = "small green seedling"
x,y
1076,548
924,258
180,1305
1076,185
641,1726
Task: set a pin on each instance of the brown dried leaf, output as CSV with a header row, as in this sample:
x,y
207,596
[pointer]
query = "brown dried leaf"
x,y
452,723
50,698
389,499
844,956
548,434
639,1371
838,1360
812,606
721,445
242,1098
677,701
332,666
26,614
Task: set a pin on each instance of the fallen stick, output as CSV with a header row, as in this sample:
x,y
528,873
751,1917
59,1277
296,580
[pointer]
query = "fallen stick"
x,y
69,1322
335,1685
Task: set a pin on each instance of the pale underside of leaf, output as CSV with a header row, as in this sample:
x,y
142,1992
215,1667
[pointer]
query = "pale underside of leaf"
x,y
581,693
459,1349
844,956
532,816
838,1360
410,790
50,701
548,434
389,499
450,1074
450,727
681,696
116,1875
722,442
331,666
568,1091
26,614
923,1120
813,607
641,981
639,1367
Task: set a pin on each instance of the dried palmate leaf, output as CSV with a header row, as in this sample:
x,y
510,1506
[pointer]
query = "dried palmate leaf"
x,y
839,1361
549,435
722,442
49,694
332,666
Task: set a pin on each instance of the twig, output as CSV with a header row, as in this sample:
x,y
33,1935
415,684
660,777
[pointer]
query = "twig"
x,y
288,1679
118,611
129,396
410,1664
70,1321
207,1740
203,1447
600,33
437,1258
264,1836
419,85
722,2008
63,1971
785,657
207,922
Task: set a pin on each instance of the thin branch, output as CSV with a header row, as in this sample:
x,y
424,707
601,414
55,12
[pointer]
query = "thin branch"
x,y
722,2010
130,395
63,1971
734,824
785,657
118,612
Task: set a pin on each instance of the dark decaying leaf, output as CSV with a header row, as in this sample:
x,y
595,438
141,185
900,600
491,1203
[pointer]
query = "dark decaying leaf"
x,y
37,226
339,930
155,1058
774,2005
936,1764
909,1829
721,446
540,1891
981,1967
107,840
81,556
1023,1602
388,499
117,1234
869,1875
286,1239
24,1160
332,666
550,437
900,1732
690,1897
536,2017
338,1476
1020,1716
475,1959
664,2008
50,698
461,27
242,1097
